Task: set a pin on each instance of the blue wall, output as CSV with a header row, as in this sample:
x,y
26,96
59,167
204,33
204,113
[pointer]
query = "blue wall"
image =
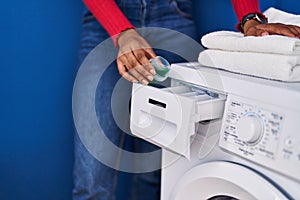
x,y
39,42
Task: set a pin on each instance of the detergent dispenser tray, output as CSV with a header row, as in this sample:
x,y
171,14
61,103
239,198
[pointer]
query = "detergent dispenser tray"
x,y
168,117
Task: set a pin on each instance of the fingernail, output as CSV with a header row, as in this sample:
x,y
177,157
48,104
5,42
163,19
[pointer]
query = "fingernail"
x,y
152,71
134,81
144,82
150,78
265,33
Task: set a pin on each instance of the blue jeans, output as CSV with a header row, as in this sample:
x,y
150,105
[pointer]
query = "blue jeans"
x,y
92,179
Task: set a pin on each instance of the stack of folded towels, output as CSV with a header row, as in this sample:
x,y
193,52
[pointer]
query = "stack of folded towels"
x,y
273,56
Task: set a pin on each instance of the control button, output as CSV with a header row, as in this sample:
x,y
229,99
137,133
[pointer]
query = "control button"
x,y
275,116
248,108
289,142
250,128
274,132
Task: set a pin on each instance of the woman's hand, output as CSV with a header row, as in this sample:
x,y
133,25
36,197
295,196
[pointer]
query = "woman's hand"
x,y
254,28
133,57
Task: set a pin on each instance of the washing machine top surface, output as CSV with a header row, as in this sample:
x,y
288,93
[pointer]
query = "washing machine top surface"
x,y
276,92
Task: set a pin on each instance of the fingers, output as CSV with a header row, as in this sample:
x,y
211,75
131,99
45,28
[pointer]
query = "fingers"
x,y
142,59
150,53
133,57
280,29
295,30
134,66
139,76
134,75
123,72
277,29
253,31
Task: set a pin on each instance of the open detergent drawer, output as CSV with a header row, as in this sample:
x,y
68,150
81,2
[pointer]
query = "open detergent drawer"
x,y
168,117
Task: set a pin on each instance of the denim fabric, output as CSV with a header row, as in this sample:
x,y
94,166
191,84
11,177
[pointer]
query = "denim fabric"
x,y
92,179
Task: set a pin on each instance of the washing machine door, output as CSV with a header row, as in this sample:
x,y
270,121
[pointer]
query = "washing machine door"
x,y
224,181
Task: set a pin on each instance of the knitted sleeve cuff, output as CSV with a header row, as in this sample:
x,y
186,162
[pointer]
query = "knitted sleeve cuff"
x,y
109,16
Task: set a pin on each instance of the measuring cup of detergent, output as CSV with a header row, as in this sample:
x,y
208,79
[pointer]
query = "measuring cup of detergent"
x,y
162,68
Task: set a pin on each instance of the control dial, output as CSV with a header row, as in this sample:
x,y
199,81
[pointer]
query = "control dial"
x,y
250,128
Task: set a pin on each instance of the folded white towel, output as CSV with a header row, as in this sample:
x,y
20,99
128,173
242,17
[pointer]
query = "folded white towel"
x,y
234,41
278,16
270,66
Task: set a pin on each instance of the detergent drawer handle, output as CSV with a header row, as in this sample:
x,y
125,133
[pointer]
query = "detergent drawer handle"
x,y
157,103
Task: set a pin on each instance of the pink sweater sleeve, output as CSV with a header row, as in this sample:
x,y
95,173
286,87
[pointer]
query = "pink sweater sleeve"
x,y
245,7
110,16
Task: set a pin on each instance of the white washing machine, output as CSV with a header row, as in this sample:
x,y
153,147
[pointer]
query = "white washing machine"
x,y
224,135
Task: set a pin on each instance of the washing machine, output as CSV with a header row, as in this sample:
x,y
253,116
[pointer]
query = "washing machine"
x,y
223,135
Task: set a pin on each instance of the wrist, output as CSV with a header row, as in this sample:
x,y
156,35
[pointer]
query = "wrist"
x,y
249,24
123,35
252,19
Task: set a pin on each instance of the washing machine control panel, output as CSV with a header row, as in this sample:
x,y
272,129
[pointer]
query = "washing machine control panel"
x,y
254,130
263,133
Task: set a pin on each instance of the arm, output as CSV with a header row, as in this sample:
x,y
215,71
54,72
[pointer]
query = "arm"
x,y
134,51
254,28
244,7
109,16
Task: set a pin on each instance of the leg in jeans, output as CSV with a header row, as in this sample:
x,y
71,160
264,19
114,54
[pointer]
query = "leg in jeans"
x,y
92,179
